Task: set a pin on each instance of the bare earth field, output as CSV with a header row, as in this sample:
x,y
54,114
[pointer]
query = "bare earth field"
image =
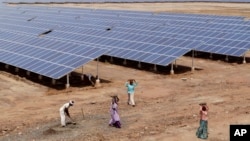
x,y
166,105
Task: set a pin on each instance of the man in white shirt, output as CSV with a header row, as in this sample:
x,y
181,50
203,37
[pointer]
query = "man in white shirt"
x,y
64,111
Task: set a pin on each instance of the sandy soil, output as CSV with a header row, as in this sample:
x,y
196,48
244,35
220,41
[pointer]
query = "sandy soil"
x,y
167,105
228,9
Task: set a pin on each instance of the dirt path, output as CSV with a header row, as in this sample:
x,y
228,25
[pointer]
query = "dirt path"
x,y
166,105
226,9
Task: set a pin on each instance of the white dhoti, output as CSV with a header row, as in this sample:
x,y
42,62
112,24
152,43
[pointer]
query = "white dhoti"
x,y
62,113
131,100
63,117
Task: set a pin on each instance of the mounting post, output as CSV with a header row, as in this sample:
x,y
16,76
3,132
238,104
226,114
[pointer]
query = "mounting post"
x,y
172,69
192,69
67,84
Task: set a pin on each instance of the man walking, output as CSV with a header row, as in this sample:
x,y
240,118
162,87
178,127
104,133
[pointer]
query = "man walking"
x,y
64,111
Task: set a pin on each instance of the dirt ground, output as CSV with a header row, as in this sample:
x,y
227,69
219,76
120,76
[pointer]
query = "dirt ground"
x,y
166,105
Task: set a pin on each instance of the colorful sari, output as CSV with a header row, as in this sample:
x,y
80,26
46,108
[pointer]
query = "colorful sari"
x,y
202,130
115,118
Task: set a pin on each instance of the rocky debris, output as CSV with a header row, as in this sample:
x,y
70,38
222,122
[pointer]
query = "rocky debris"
x,y
49,131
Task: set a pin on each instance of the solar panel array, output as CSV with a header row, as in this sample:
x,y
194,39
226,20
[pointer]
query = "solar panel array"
x,y
149,49
219,34
44,56
141,36
118,1
47,57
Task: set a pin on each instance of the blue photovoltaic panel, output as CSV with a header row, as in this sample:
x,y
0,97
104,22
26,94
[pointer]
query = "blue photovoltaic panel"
x,y
140,36
47,59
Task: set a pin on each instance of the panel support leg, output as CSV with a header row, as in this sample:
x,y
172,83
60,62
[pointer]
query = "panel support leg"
x,y
139,64
6,66
195,53
211,56
125,62
192,69
97,81
67,84
226,59
40,77
172,69
244,59
111,59
27,73
155,67
82,76
53,81
16,69
175,64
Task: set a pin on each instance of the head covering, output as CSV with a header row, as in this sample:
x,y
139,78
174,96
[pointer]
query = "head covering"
x,y
115,99
71,102
203,103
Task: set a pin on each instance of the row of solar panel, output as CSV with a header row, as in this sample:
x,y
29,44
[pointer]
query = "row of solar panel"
x,y
178,23
102,1
176,32
242,28
95,12
239,25
228,43
129,22
43,56
234,47
160,50
79,13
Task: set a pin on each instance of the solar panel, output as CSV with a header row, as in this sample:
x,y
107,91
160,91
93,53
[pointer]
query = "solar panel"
x,y
141,36
54,60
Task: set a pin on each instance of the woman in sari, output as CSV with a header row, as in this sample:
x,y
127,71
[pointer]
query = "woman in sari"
x,y
115,118
202,130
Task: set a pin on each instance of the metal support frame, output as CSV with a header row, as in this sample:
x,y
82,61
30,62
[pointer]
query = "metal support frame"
x,y
175,64
244,59
40,77
53,82
28,73
211,56
82,76
226,59
125,62
97,68
16,69
195,53
155,67
97,82
111,59
172,69
67,84
139,64
192,69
